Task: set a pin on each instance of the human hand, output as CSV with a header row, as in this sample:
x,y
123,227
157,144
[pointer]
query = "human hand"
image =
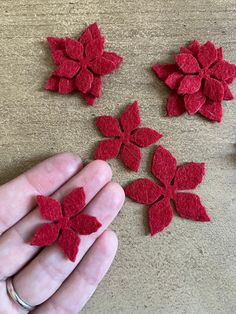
x,y
44,277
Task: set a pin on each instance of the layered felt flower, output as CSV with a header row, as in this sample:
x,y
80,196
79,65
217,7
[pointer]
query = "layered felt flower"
x,y
127,137
81,64
171,180
199,80
67,222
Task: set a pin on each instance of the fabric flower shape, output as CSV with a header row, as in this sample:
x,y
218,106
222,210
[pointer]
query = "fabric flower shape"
x,y
126,134
67,221
172,179
199,80
81,64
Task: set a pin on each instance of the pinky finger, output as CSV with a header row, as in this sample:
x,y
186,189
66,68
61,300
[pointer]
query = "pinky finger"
x,y
81,284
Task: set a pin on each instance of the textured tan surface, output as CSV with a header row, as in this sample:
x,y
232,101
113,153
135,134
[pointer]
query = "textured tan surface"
x,y
191,267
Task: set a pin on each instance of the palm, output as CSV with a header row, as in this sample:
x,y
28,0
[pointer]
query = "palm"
x,y
44,277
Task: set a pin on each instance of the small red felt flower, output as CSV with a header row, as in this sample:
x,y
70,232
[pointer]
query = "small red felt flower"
x,y
199,80
126,134
81,64
67,222
186,177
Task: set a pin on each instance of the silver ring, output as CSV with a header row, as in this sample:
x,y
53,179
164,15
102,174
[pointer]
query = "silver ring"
x,y
16,298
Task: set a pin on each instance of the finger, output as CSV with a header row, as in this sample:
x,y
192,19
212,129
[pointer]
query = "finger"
x,y
15,250
17,197
45,274
79,287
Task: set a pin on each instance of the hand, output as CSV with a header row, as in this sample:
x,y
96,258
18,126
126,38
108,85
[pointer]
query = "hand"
x,y
44,277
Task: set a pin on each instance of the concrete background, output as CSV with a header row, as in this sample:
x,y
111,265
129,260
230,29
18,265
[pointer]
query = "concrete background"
x,y
190,267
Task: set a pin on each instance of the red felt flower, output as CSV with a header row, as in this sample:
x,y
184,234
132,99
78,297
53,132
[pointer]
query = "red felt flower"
x,y
68,222
172,179
125,134
199,80
81,64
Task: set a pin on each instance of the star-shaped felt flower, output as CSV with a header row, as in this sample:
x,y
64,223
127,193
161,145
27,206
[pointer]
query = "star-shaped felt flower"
x,y
67,222
81,64
172,180
127,136
199,80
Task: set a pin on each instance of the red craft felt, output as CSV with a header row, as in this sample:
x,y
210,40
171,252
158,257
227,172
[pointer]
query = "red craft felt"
x,y
80,64
199,77
172,180
67,221
126,136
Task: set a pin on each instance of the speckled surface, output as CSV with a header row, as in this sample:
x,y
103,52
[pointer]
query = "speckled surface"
x,y
191,267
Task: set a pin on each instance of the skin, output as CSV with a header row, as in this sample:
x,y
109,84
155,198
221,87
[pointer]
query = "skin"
x,y
44,277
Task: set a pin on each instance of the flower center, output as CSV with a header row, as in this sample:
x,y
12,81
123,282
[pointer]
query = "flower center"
x,y
64,222
125,137
204,73
84,61
169,191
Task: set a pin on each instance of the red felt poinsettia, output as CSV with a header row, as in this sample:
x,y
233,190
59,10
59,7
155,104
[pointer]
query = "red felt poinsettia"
x,y
173,180
126,134
199,80
81,64
67,222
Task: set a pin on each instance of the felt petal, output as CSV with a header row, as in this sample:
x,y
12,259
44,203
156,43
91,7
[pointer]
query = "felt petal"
x,y
187,63
102,66
193,102
95,31
130,118
207,54
56,43
162,71
185,50
190,84
220,56
69,243
173,80
159,216
189,176
74,202
214,89
189,206
175,105
131,156
108,126
49,207
94,48
74,49
58,56
84,80
107,149
90,99
163,165
227,92
223,70
46,235
113,57
211,110
66,86
96,86
86,37
67,68
145,137
52,83
85,224
143,191
194,47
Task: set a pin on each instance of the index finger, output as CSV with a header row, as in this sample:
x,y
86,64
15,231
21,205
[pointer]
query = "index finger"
x,y
17,197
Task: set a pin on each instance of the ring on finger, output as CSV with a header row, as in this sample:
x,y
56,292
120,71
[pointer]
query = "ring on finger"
x,y
15,296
